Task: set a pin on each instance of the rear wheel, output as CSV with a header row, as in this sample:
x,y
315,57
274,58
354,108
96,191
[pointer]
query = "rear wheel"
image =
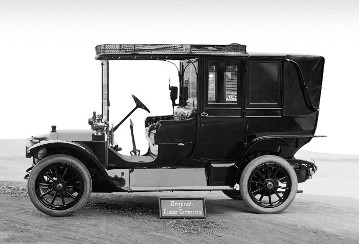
x,y
268,184
59,185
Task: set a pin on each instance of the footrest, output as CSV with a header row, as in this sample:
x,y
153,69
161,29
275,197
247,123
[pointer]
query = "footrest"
x,y
177,188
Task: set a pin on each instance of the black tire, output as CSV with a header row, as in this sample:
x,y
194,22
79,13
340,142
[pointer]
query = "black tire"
x,y
268,184
59,185
236,195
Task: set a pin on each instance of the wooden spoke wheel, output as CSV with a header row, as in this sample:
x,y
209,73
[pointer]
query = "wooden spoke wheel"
x,y
59,185
268,184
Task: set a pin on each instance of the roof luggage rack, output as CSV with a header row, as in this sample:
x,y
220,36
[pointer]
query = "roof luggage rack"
x,y
131,49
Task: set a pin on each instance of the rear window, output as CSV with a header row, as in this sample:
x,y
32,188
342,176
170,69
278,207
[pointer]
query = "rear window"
x,y
264,84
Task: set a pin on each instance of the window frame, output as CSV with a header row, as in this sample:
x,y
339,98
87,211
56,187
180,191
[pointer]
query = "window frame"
x,y
279,102
226,62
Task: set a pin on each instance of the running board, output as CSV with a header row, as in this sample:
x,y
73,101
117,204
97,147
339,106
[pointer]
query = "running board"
x,y
176,188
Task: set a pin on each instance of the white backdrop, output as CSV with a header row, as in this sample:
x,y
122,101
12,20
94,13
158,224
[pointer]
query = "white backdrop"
x,y
48,74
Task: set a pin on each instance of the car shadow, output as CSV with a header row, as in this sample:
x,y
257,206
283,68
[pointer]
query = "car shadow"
x,y
223,206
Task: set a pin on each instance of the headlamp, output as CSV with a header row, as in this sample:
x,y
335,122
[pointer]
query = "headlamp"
x,y
41,153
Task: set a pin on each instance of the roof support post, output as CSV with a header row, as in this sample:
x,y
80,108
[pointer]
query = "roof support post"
x,y
105,90
182,96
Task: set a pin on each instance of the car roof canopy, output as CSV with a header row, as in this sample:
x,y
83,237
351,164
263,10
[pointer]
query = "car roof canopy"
x,y
166,51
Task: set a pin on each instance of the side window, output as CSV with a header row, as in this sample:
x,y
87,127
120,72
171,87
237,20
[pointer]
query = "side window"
x,y
222,83
263,89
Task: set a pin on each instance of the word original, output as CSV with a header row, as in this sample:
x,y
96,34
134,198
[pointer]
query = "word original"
x,y
181,204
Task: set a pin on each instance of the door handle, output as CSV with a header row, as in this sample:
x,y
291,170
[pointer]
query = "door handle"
x,y
204,114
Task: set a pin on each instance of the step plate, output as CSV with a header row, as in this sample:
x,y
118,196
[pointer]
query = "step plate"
x,y
177,188
180,177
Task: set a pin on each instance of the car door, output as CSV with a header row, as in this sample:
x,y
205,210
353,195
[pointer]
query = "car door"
x,y
263,102
221,125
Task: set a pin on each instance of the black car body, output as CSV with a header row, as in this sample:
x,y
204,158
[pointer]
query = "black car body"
x,y
239,121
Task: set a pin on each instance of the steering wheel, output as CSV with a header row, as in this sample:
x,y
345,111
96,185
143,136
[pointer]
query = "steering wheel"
x,y
139,104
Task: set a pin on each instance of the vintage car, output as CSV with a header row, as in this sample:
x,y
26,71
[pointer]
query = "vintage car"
x,y
238,120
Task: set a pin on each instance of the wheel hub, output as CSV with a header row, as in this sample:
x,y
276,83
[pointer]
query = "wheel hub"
x,y
59,186
270,184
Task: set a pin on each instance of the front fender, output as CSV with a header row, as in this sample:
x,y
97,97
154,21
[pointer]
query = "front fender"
x,y
80,151
31,150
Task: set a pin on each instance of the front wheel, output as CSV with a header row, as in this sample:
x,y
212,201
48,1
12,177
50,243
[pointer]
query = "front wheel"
x,y
59,185
268,184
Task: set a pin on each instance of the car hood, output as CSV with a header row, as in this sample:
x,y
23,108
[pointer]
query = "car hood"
x,y
65,135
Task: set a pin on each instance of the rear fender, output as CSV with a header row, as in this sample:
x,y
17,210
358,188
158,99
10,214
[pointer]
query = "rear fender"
x,y
271,144
264,144
267,145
